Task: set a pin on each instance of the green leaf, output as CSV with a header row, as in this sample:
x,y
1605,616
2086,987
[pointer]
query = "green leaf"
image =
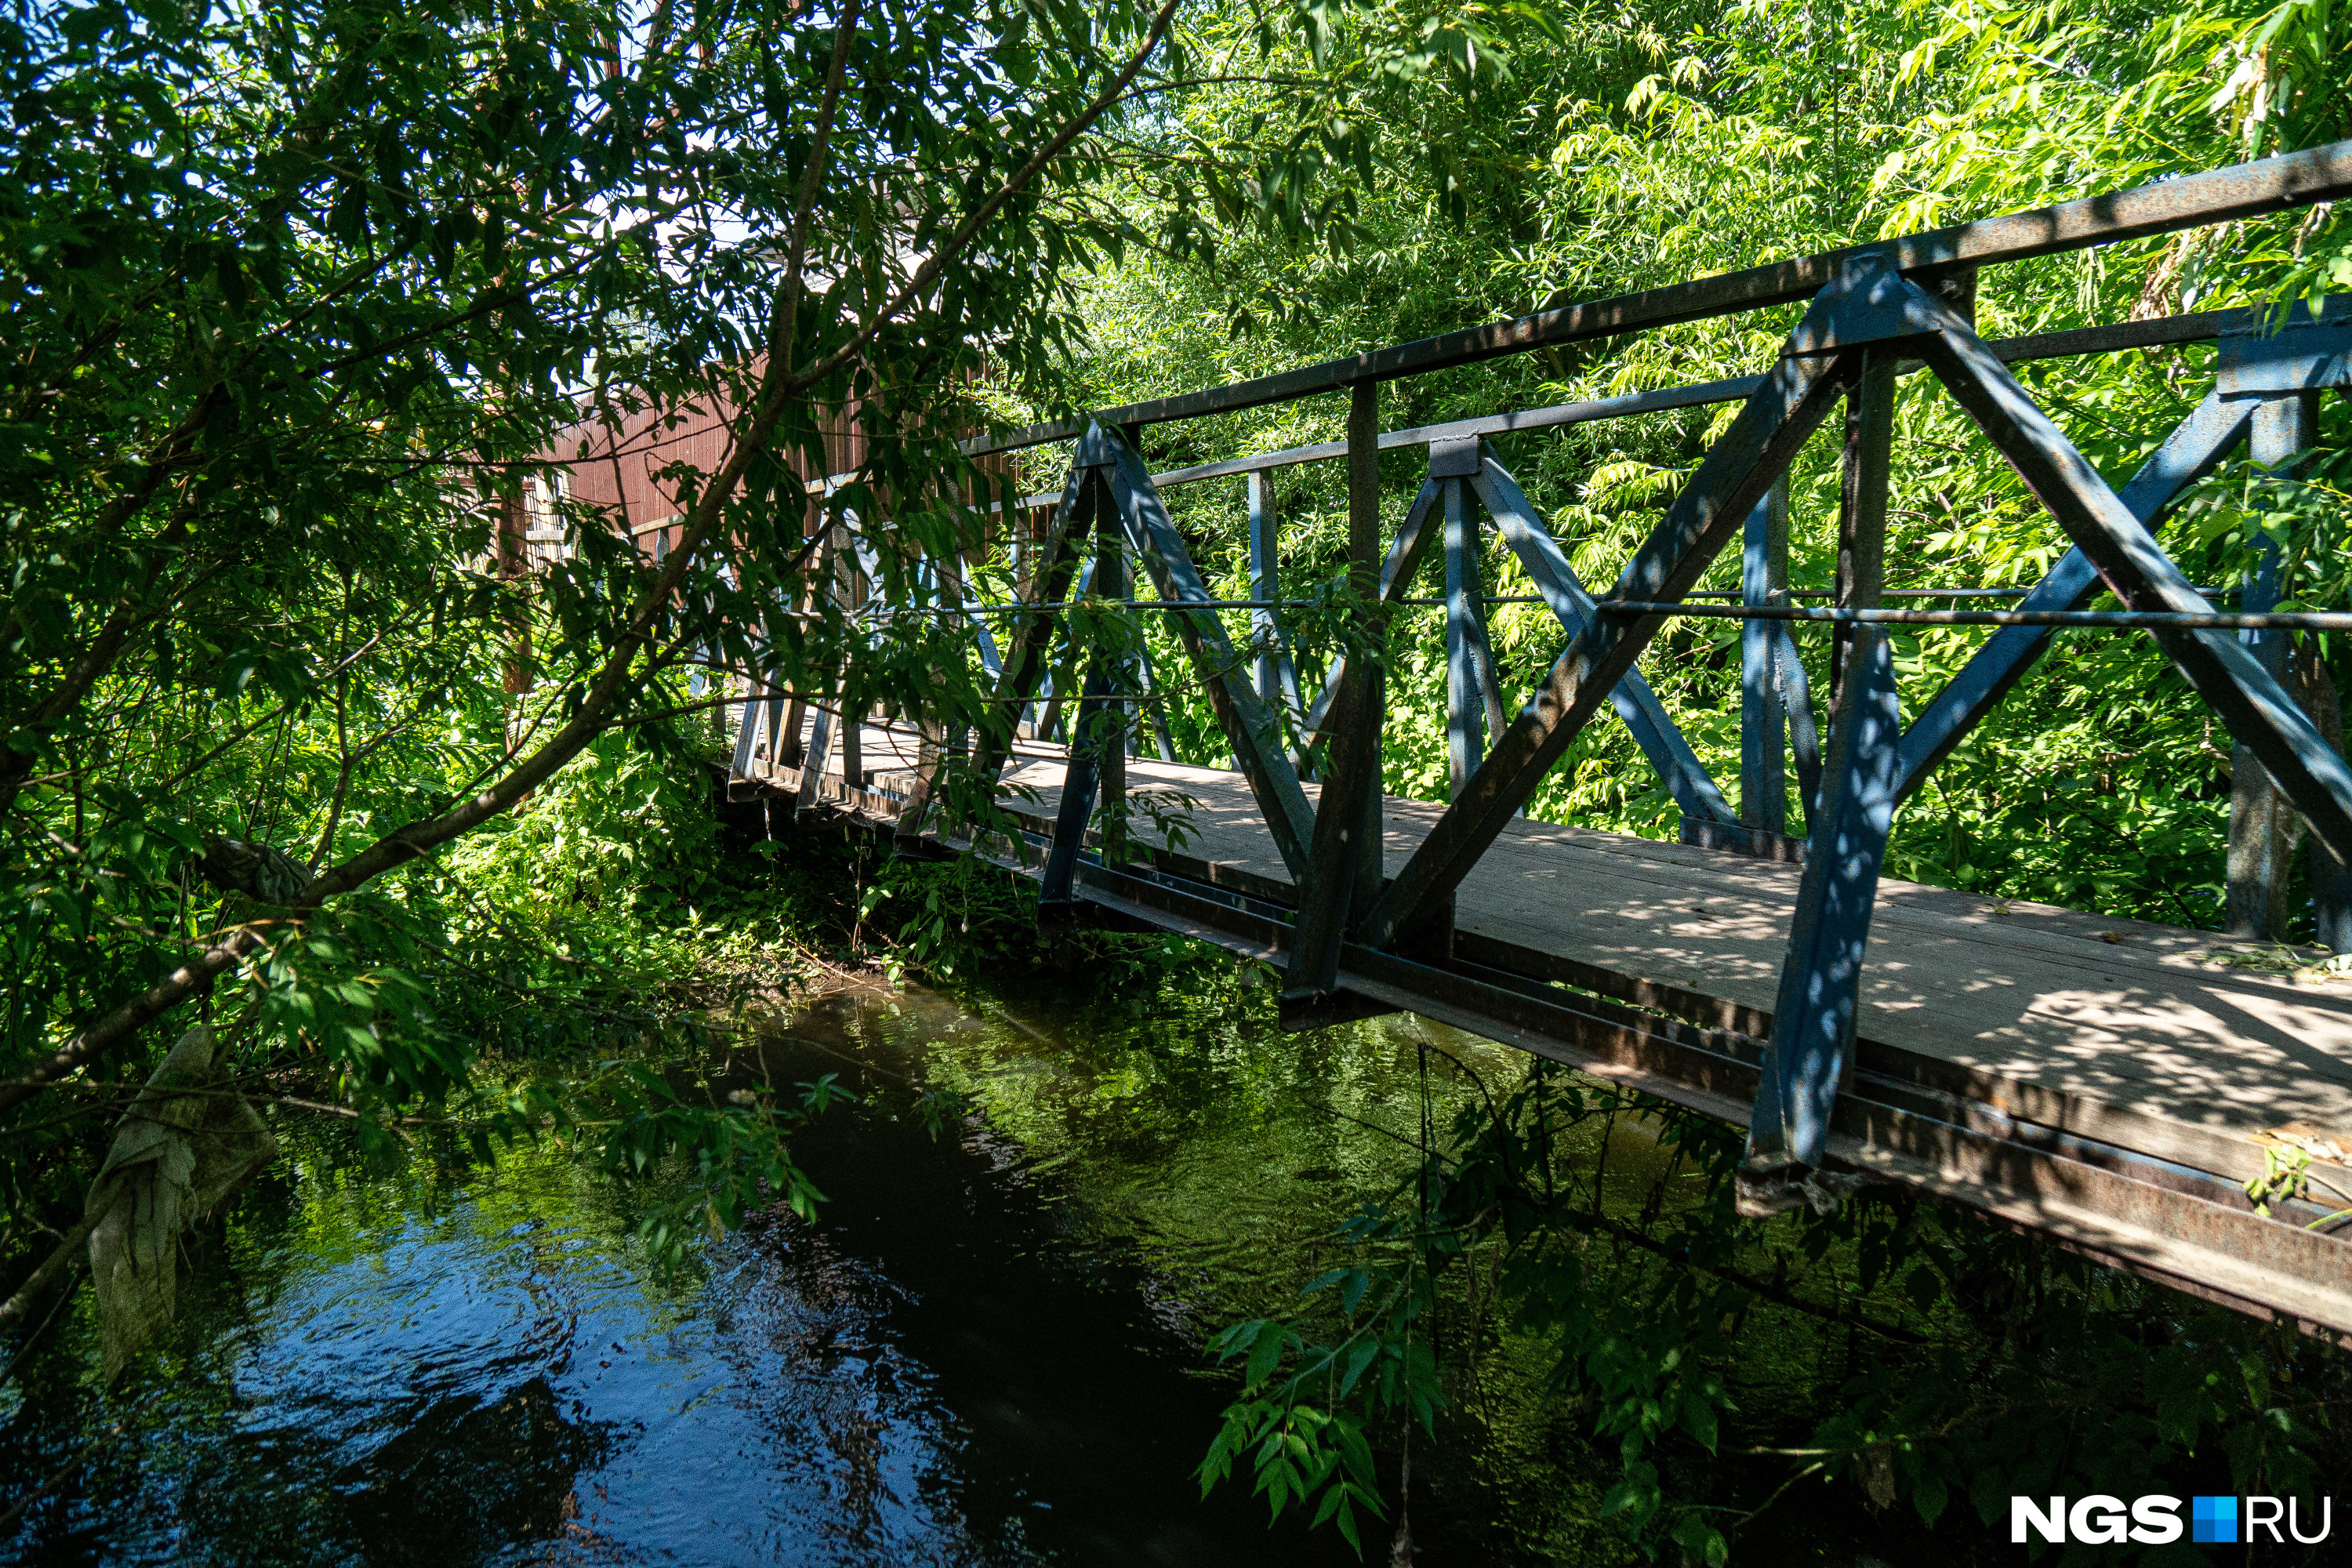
x,y
1265,1354
1698,1416
1701,1541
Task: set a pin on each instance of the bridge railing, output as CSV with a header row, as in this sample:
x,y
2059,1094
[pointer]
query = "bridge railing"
x,y
1870,314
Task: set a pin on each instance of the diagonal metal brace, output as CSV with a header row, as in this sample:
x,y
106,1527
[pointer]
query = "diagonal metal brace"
x,y
1250,725
1774,422
1655,730
2257,710
1031,637
2197,443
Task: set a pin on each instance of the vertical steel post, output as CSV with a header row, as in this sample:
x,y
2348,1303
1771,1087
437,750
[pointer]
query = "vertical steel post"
x,y
1277,678
1862,502
832,564
1344,863
2263,825
1265,584
857,586
1466,741
1364,553
1763,738
1116,718
795,715
1811,1057
1465,736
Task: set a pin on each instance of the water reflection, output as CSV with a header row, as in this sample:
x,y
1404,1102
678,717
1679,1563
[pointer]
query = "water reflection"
x,y
986,1350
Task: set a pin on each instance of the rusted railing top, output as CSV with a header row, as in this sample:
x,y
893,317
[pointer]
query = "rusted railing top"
x,y
2192,201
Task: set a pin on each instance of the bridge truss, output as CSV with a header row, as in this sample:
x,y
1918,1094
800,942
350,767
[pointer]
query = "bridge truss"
x,y
1818,1104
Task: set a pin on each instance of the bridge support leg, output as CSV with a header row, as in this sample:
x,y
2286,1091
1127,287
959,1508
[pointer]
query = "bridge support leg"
x,y
814,761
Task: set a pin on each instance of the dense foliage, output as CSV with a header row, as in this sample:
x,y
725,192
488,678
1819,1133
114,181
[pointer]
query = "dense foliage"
x,y
308,307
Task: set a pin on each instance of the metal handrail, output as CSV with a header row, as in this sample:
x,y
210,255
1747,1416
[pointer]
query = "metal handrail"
x,y
2191,200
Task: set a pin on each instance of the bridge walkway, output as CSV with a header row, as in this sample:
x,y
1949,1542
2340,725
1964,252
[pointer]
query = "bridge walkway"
x,y
2111,1083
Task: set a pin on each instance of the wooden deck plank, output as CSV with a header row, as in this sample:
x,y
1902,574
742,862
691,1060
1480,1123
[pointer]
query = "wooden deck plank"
x,y
2125,1013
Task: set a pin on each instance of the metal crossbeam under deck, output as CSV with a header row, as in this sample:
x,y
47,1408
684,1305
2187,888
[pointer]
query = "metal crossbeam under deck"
x,y
2104,1084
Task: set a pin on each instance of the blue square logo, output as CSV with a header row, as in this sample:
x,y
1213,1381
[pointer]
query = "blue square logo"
x,y
2214,1520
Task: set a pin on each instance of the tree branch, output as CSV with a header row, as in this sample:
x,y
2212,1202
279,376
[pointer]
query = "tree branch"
x,y
928,272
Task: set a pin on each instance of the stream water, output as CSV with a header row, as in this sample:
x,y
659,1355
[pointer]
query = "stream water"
x,y
988,1348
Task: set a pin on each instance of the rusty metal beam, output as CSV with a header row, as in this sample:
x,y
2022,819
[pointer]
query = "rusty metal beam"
x,y
1343,870
2191,200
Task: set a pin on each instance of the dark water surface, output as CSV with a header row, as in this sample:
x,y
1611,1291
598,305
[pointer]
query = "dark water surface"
x,y
987,1350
